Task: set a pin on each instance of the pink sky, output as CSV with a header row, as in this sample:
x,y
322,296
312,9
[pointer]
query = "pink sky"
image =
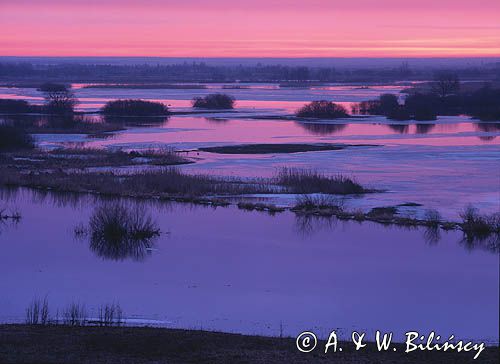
x,y
252,28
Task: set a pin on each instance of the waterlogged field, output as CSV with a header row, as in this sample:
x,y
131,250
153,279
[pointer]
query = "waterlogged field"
x,y
248,272
233,270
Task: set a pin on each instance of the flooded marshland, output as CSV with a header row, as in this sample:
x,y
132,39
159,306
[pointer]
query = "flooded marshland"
x,y
238,271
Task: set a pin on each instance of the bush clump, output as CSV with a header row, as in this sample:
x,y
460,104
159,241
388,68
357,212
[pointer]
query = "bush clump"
x,y
322,109
214,101
385,105
476,225
117,232
309,203
14,138
134,108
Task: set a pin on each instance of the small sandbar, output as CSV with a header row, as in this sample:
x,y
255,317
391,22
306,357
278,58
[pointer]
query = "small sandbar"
x,y
278,148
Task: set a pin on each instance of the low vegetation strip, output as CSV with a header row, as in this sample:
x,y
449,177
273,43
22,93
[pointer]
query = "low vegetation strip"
x,y
478,229
278,148
147,86
270,148
141,345
80,158
55,170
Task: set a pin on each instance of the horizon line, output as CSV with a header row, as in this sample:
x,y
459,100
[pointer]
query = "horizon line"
x,y
257,57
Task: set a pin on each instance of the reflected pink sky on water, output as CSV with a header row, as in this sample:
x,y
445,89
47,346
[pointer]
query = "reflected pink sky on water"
x,y
457,154
192,132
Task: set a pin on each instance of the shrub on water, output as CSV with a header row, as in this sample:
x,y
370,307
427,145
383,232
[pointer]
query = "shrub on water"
x,y
131,107
214,101
322,109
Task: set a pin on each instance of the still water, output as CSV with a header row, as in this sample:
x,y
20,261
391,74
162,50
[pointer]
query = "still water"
x,y
248,272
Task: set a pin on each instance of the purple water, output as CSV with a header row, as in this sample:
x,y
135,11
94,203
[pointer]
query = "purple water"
x,y
225,269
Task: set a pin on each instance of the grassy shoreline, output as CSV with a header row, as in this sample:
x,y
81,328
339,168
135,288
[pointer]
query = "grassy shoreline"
x,y
65,344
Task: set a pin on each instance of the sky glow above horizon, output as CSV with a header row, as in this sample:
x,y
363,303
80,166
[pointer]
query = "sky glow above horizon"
x,y
260,28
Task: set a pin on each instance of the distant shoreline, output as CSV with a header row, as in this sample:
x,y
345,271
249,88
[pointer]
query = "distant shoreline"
x,y
341,62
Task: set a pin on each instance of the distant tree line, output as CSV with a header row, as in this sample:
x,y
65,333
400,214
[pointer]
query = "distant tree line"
x,y
201,72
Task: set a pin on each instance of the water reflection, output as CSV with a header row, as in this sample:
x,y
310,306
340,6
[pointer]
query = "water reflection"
x,y
424,128
77,123
488,128
217,121
7,224
137,120
399,128
80,201
322,128
308,225
53,121
432,235
489,243
117,232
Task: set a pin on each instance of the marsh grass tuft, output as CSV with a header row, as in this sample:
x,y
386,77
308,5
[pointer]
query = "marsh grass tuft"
x,y
310,181
117,232
321,202
75,314
432,217
477,226
110,315
37,313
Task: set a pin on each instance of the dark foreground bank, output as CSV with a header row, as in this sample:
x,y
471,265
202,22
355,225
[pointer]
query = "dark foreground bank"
x,y
63,344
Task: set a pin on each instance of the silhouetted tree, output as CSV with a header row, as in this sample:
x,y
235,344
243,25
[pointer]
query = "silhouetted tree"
x,y
445,84
58,99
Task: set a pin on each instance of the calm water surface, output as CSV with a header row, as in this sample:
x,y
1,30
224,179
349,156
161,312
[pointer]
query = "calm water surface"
x,y
225,269
443,165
